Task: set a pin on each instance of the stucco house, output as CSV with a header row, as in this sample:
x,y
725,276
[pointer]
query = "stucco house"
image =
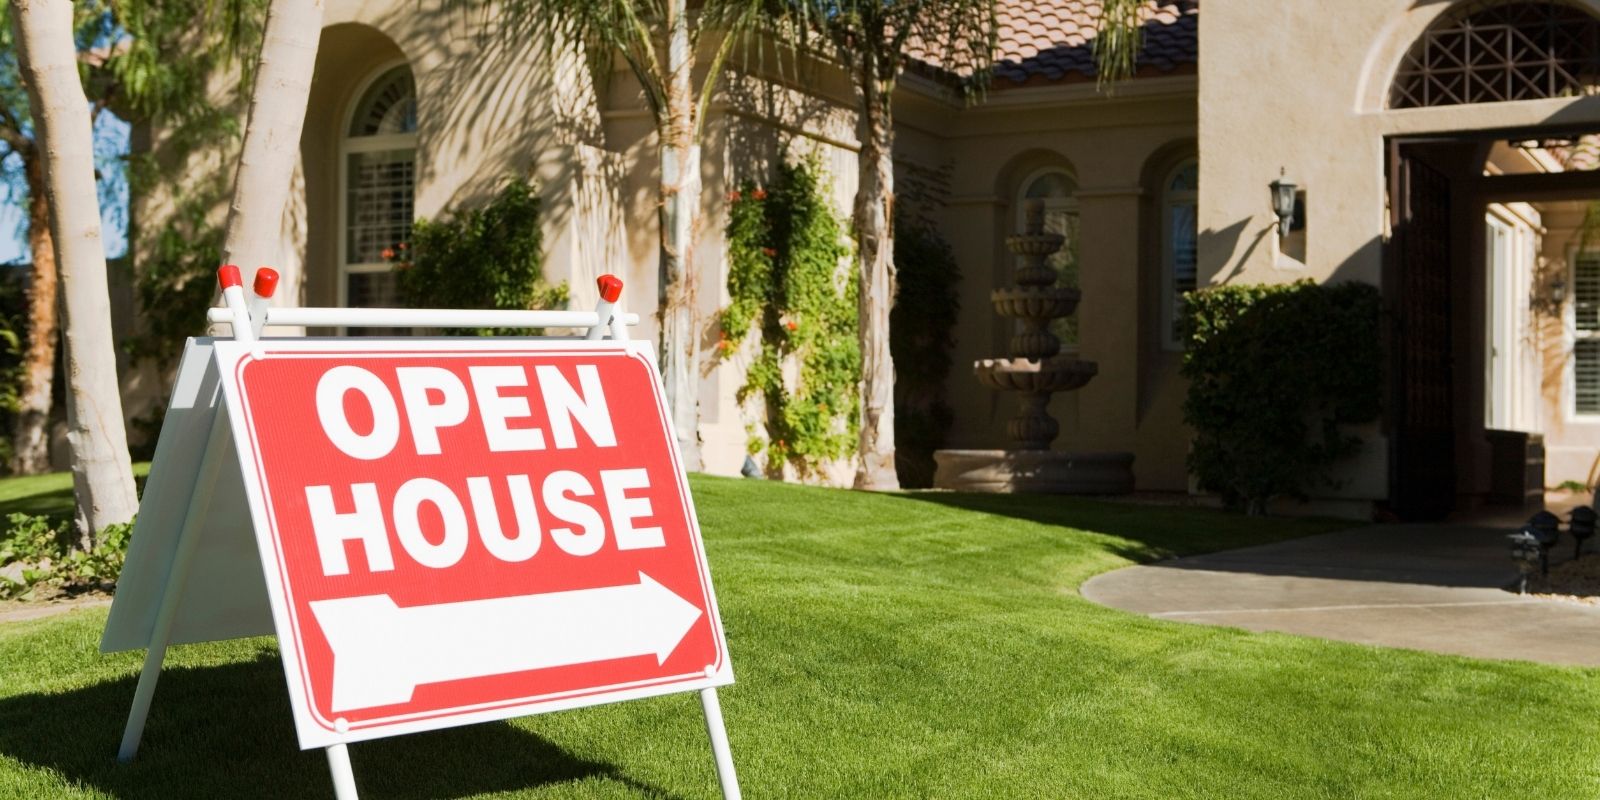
x,y
1438,148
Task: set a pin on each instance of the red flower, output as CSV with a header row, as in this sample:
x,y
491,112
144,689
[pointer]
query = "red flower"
x,y
404,246
759,194
388,254
769,252
734,196
791,325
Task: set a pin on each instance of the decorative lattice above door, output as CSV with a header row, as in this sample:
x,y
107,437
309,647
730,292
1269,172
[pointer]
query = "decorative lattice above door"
x,y
1491,52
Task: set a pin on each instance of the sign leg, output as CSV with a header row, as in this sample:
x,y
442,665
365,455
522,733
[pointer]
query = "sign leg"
x,y
719,744
188,539
344,778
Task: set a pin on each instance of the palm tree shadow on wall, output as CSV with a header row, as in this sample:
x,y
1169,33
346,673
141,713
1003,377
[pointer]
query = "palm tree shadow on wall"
x,y
227,732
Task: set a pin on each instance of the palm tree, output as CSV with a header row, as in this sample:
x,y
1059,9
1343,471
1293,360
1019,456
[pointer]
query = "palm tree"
x,y
141,58
659,41
272,134
874,40
102,475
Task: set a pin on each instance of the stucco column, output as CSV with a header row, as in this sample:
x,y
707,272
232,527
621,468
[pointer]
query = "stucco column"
x,y
1108,321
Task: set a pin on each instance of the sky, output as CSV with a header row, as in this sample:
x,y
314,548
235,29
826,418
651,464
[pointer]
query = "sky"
x,y
111,144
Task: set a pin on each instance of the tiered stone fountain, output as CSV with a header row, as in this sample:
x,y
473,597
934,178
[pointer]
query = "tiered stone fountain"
x,y
1035,371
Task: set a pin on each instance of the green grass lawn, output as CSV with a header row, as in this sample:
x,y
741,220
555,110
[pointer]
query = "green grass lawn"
x,y
47,495
916,646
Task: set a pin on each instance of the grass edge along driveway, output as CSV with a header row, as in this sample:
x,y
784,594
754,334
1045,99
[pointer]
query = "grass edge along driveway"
x,y
886,646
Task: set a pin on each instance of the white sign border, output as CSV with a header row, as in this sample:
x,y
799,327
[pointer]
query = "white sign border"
x,y
314,731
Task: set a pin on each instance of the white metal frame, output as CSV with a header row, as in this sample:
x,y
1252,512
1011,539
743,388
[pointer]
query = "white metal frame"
x,y
349,145
1169,255
607,318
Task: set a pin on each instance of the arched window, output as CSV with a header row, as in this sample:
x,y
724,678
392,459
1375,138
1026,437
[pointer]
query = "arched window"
x,y
1486,52
1180,194
378,180
1054,188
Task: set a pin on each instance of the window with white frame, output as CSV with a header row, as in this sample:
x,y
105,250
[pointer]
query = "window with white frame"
x,y
1180,195
1054,188
1586,333
378,158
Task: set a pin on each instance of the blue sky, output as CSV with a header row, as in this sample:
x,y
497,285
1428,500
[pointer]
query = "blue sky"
x,y
111,144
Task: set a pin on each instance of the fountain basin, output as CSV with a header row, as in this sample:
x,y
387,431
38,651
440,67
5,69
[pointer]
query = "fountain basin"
x,y
1033,471
1044,303
1026,375
1035,244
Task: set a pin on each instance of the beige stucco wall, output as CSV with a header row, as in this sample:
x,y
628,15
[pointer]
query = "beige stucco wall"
x,y
486,111
1118,149
1312,102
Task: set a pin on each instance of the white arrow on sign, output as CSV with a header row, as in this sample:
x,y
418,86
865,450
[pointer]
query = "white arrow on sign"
x,y
382,652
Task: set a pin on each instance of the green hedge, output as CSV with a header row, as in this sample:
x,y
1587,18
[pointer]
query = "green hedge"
x,y
920,338
1277,374
489,257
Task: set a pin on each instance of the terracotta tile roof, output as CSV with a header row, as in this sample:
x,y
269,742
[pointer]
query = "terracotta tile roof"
x,y
1046,41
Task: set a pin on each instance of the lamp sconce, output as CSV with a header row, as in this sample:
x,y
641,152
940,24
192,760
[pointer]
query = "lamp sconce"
x,y
1283,197
1558,292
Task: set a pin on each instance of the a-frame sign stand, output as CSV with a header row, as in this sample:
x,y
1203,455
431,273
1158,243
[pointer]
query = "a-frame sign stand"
x,y
635,616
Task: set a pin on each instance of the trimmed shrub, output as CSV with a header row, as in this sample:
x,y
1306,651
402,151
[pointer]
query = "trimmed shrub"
x,y
1277,374
489,257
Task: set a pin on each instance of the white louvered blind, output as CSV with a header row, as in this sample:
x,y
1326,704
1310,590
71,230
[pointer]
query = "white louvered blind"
x,y
1586,327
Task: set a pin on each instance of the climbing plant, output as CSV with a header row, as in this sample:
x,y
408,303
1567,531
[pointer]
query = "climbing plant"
x,y
790,286
925,308
488,257
1276,375
176,277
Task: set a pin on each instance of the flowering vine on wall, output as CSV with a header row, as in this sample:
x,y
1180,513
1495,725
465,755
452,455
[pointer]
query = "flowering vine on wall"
x,y
791,285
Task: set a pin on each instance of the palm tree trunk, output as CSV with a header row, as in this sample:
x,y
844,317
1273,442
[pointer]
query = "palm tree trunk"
x,y
874,218
102,477
30,440
680,203
272,135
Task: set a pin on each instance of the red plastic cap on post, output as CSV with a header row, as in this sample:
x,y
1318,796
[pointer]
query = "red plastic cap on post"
x,y
228,275
610,287
266,282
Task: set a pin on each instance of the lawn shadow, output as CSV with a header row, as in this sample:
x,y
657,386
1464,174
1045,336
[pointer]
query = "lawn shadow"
x,y
1149,532
1469,552
227,732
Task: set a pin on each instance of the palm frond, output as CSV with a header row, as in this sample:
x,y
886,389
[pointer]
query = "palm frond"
x,y
1117,42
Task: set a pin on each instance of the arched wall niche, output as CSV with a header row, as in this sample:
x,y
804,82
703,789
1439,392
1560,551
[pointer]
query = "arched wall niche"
x,y
1388,54
351,57
1154,179
1009,178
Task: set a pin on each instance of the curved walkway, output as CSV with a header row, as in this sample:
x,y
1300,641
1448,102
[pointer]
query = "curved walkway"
x,y
1426,587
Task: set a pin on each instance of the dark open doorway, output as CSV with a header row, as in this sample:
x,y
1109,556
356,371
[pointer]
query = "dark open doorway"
x,y
1442,303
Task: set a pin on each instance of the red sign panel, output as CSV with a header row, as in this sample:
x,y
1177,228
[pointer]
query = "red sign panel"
x,y
456,531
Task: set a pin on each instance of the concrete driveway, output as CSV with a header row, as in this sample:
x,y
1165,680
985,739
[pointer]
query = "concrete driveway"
x,y
1426,587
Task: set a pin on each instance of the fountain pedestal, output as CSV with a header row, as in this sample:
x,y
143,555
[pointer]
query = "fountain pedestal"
x,y
1035,371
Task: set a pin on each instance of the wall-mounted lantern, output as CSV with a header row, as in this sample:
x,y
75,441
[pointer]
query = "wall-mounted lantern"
x,y
1558,292
1283,195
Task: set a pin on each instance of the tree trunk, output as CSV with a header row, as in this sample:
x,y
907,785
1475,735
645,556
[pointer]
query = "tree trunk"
x,y
272,135
30,441
102,477
680,205
874,218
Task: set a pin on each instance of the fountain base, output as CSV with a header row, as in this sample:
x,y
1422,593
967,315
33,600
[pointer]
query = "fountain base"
x,y
1033,471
